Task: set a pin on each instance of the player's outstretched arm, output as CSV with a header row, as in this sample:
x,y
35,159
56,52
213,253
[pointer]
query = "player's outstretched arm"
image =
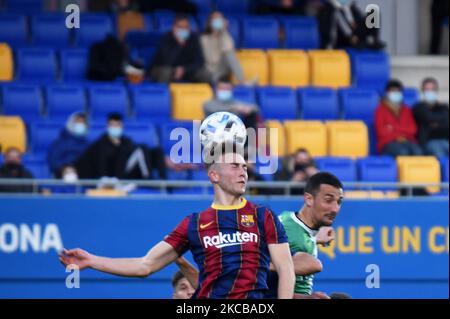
x,y
157,258
188,270
281,258
306,264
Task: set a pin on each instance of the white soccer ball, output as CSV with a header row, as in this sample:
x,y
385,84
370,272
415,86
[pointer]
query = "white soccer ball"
x,y
222,127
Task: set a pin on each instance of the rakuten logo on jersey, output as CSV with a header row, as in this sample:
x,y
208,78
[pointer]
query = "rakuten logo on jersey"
x,y
223,240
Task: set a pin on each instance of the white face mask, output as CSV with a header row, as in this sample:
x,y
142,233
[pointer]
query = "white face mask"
x,y
430,96
70,177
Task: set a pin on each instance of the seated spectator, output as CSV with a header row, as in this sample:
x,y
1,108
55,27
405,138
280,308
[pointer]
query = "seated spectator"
x,y
395,127
219,50
224,102
182,289
283,7
13,168
342,25
115,155
432,120
69,146
180,6
179,56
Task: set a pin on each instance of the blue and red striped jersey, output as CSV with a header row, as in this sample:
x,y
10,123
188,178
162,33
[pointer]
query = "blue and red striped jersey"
x,y
230,247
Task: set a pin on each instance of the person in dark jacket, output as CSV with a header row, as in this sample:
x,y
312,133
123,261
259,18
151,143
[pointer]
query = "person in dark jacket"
x,y
69,146
342,25
432,120
13,168
179,56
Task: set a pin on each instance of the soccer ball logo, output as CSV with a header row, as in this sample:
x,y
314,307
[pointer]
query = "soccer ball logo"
x,y
222,127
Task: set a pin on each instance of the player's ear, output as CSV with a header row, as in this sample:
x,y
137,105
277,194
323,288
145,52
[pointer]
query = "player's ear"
x,y
308,199
213,176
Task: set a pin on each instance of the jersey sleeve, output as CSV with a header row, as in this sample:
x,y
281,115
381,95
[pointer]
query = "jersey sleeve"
x,y
178,238
274,230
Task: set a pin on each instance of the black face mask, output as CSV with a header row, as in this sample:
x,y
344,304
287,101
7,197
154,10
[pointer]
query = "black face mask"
x,y
300,167
13,169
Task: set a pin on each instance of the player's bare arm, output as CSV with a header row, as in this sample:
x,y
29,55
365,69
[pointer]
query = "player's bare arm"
x,y
304,264
325,235
188,270
282,261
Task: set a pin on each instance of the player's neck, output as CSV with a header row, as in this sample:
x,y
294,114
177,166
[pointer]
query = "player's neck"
x,y
224,199
306,218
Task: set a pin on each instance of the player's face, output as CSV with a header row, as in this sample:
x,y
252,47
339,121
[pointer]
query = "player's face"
x,y
183,290
232,174
327,204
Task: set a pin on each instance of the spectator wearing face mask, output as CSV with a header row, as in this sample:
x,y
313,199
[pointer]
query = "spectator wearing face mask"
x,y
70,144
432,120
13,168
395,127
179,56
219,50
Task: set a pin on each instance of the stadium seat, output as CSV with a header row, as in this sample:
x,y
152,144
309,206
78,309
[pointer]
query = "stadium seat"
x,y
311,135
36,65
38,168
444,169
43,134
164,23
129,21
318,104
411,96
140,133
105,99
151,102
13,29
278,103
330,68
359,104
188,100
288,68
306,27
49,30
95,28
419,169
74,63
232,6
6,63
203,6
65,99
343,168
244,93
377,169
371,70
254,65
96,130
12,133
365,195
260,33
280,143
25,6
23,100
169,127
347,139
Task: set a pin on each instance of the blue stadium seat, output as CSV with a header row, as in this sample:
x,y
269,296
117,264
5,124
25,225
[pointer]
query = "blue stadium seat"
x,y
359,104
370,69
23,100
411,96
377,169
279,103
95,28
49,30
104,99
38,168
260,33
43,134
318,103
13,29
232,6
167,128
25,6
63,100
36,65
96,129
444,169
173,175
140,133
343,168
306,27
203,6
199,174
151,102
74,63
164,23
245,94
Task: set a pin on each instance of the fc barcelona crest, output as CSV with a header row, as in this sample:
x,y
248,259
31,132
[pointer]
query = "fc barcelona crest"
x,y
247,220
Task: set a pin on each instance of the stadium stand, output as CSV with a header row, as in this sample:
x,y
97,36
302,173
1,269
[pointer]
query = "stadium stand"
x,y
188,99
74,63
23,100
63,100
48,30
6,63
254,65
330,68
260,33
151,102
307,27
419,169
340,133
311,135
36,65
343,168
318,103
13,29
105,99
12,133
280,141
96,28
281,66
279,103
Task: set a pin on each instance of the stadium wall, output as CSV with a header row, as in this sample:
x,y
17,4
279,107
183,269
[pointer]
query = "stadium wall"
x,y
406,242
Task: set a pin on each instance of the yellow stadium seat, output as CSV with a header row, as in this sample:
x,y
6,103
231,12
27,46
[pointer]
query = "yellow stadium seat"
x,y
347,138
6,63
280,143
365,195
311,135
105,193
254,65
188,100
128,21
419,169
12,133
288,68
330,68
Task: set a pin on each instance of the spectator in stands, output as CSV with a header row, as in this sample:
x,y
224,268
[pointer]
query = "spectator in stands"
x,y
13,168
219,50
342,24
395,127
439,12
224,102
432,120
115,155
283,7
182,289
180,6
179,56
69,146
